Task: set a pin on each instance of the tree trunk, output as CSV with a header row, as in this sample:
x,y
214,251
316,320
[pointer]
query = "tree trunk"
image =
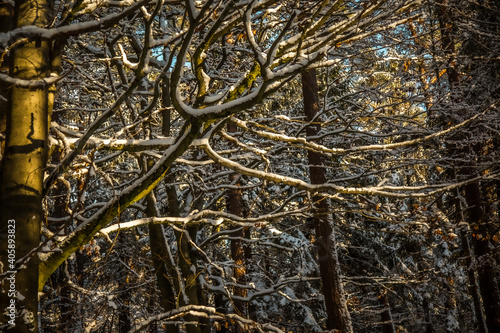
x,y
124,301
124,322
486,266
387,323
452,324
220,306
473,284
157,242
427,315
189,294
23,165
333,291
159,256
234,202
60,277
188,288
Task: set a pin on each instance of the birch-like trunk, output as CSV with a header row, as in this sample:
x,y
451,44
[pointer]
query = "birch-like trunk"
x,y
23,166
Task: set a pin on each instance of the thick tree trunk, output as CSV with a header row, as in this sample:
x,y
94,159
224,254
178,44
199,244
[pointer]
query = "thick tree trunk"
x,y
23,164
333,291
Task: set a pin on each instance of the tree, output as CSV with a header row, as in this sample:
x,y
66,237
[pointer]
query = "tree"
x,y
23,164
333,291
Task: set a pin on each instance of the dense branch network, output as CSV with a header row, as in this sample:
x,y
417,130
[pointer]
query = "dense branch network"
x,y
164,111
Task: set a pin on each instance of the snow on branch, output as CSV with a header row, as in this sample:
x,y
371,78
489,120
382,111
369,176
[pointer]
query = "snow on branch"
x,y
207,312
32,32
320,148
387,191
136,145
206,216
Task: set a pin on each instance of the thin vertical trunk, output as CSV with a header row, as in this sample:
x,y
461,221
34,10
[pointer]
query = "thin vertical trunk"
x,y
452,324
124,323
234,202
486,266
124,318
387,322
252,310
67,299
190,281
473,285
427,315
157,243
23,164
159,256
60,192
165,104
470,265
220,306
333,291
189,286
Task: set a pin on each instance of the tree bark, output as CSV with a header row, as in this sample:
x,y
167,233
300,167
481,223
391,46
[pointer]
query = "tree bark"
x,y
157,242
188,288
333,291
60,277
234,202
486,266
473,284
159,256
427,315
387,322
23,165
124,318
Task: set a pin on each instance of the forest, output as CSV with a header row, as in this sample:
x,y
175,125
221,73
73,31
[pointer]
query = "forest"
x,y
198,166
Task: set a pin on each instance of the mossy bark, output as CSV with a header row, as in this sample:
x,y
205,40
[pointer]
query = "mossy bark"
x,y
23,165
